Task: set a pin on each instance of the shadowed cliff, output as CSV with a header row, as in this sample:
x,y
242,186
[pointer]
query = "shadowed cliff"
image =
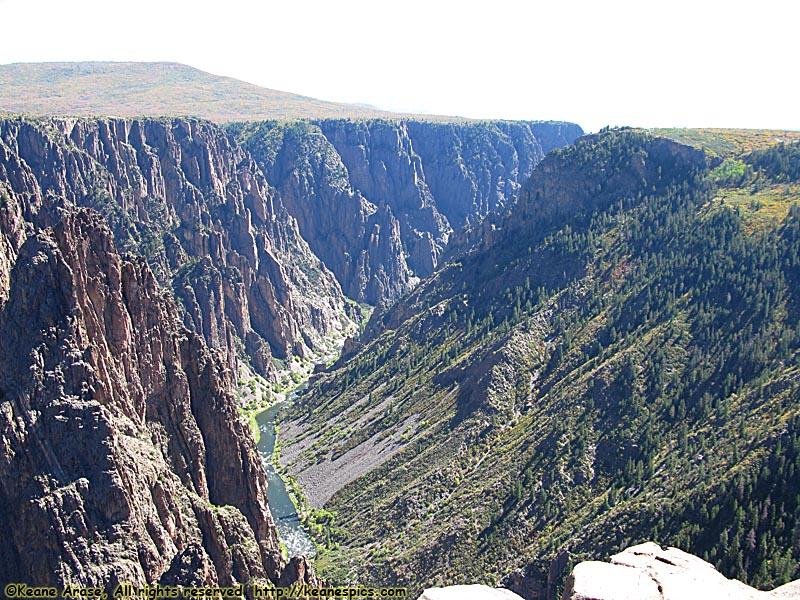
x,y
378,201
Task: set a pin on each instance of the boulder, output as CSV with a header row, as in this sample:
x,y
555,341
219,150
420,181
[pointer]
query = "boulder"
x,y
652,572
468,592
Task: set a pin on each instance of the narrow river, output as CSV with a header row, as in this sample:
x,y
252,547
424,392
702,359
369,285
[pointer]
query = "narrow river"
x,y
283,512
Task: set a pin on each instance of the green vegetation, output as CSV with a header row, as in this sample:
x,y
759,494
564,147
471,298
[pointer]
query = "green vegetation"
x,y
159,89
729,142
621,363
255,396
153,89
761,186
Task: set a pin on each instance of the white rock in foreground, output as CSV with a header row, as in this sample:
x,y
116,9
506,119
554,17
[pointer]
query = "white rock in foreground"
x,y
650,572
468,592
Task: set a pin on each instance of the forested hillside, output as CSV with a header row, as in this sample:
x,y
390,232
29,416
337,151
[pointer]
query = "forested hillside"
x,y
615,361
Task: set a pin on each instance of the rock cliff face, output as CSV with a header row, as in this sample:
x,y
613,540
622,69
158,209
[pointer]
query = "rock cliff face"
x,y
382,163
476,169
196,205
652,572
379,200
124,458
358,240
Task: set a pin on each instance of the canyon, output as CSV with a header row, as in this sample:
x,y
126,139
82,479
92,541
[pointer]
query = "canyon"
x,y
553,346
143,263
579,376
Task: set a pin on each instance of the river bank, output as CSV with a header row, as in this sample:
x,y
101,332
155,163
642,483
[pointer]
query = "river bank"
x,y
290,529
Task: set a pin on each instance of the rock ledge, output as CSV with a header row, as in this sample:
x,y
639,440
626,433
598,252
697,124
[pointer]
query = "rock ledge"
x,y
468,592
652,572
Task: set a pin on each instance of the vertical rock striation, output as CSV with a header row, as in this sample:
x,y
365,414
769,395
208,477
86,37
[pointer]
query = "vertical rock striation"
x,y
357,239
383,165
379,200
178,192
124,458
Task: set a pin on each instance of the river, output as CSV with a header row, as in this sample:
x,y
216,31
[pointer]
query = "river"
x,y
283,512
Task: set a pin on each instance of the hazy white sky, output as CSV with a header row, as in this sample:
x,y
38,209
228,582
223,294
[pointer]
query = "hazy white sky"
x,y
694,63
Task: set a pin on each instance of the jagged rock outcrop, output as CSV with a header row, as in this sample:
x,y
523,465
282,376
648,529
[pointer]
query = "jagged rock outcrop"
x,y
358,240
652,572
180,193
468,592
124,458
383,165
299,569
379,200
474,169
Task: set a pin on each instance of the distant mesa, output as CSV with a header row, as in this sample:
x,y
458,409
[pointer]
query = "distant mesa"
x,y
135,89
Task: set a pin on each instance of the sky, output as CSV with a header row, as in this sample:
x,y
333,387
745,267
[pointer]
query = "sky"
x,y
683,63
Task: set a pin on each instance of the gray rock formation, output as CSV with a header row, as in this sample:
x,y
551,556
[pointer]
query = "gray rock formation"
x,y
477,168
651,572
358,240
468,592
196,206
124,458
379,200
383,165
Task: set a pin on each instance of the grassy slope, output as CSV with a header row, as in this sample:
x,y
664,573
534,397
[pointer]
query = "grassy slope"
x,y
580,386
156,89
760,201
728,142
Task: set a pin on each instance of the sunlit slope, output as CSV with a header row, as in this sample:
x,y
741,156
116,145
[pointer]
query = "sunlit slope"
x,y
729,142
153,89
613,363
